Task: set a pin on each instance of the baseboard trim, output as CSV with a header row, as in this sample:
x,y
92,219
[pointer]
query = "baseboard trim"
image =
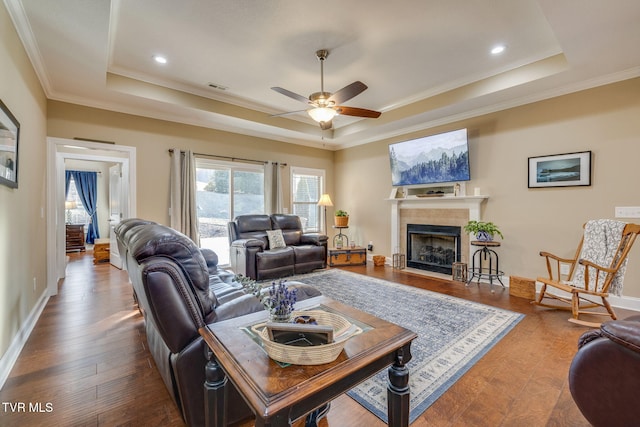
x,y
10,357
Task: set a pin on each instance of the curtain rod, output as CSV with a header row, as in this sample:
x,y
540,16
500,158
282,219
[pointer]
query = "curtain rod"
x,y
79,170
233,159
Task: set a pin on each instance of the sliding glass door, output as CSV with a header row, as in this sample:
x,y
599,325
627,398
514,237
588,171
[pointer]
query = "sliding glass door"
x,y
224,191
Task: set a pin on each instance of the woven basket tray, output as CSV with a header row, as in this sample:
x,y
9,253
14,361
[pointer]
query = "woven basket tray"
x,y
314,355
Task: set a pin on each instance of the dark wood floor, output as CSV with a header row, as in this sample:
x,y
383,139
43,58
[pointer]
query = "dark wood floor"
x,y
86,363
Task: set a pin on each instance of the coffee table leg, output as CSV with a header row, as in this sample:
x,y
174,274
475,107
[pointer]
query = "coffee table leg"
x,y
398,389
215,392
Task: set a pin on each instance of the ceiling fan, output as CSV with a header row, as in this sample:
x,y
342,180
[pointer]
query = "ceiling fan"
x,y
327,105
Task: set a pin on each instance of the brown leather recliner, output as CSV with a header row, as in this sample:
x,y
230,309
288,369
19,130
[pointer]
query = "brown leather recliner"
x,y
604,377
252,256
180,288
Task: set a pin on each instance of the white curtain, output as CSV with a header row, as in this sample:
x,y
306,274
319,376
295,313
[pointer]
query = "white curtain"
x,y
184,211
272,188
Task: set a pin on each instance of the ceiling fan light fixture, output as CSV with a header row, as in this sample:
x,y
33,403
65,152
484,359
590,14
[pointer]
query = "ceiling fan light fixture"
x,y
322,114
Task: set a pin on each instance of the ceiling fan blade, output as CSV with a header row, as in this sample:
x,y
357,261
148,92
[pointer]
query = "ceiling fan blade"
x,y
290,94
358,112
348,92
288,113
326,125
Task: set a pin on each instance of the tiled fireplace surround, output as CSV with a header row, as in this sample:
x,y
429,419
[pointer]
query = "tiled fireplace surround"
x,y
452,211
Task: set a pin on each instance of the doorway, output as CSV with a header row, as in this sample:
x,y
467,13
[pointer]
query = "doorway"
x,y
59,150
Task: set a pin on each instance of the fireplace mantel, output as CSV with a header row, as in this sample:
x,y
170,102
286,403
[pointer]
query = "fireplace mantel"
x,y
472,204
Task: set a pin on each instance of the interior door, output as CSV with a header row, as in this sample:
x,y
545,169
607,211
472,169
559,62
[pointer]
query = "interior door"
x,y
115,212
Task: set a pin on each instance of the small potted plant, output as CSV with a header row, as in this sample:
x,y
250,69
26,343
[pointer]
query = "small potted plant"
x,y
341,218
484,231
277,299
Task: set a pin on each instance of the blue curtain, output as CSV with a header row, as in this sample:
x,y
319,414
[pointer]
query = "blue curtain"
x,y
67,180
87,186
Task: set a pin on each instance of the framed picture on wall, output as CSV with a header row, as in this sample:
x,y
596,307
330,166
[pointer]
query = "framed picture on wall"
x,y
560,170
9,135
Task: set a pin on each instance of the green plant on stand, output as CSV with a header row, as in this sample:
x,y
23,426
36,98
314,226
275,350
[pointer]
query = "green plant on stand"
x,y
484,231
341,218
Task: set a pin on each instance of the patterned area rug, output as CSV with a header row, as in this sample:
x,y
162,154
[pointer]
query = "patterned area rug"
x,y
453,333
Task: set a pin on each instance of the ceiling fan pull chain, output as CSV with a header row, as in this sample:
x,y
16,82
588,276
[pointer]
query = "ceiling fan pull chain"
x,y
321,58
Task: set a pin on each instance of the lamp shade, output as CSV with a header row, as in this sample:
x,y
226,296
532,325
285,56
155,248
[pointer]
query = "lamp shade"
x,y
325,200
322,114
70,204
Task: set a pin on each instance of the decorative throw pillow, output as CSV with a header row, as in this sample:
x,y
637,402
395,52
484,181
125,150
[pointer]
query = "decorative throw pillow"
x,y
276,239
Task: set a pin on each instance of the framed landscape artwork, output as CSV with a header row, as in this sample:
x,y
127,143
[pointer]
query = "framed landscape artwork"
x,y
9,134
560,170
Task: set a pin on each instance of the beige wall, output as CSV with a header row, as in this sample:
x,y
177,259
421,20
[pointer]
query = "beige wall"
x,y
22,221
604,120
153,138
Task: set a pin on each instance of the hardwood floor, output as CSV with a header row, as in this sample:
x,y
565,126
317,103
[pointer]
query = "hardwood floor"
x,y
86,363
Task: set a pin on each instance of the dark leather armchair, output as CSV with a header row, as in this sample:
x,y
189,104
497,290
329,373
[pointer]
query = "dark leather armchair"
x,y
254,257
604,377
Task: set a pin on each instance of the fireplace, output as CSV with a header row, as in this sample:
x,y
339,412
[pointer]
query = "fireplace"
x,y
433,247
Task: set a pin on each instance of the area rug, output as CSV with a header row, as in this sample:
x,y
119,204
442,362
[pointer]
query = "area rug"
x,y
453,334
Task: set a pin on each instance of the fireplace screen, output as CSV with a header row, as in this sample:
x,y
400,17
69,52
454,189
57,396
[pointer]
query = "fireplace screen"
x,y
433,247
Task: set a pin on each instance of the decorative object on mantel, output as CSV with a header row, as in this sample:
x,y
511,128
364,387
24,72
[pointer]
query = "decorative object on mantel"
x,y
431,194
484,231
341,218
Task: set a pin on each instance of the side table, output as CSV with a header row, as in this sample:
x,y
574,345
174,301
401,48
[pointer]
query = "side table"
x,y
484,263
279,396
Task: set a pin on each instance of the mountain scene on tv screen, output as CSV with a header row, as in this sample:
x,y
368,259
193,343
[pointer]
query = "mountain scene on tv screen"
x,y
429,163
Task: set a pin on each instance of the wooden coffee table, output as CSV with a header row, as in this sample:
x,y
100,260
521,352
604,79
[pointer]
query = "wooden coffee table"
x,y
280,395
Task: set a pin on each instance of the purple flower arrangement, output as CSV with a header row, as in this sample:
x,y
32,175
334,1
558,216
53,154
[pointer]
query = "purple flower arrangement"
x,y
279,300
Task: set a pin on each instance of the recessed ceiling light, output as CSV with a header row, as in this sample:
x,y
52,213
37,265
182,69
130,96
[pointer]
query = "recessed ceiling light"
x,y
498,49
160,59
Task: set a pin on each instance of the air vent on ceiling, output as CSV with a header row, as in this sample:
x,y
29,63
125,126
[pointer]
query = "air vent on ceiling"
x,y
217,86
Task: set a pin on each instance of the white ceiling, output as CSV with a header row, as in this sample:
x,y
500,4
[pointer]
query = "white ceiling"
x,y
426,62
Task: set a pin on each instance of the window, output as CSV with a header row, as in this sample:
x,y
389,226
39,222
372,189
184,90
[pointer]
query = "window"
x,y
74,210
225,190
306,188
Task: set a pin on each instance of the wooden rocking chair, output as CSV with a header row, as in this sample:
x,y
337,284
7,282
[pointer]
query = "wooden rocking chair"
x,y
586,278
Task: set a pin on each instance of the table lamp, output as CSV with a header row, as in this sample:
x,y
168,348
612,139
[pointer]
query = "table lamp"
x,y
68,205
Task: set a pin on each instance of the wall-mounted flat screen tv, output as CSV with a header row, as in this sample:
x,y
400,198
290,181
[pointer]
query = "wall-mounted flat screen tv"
x,y
431,159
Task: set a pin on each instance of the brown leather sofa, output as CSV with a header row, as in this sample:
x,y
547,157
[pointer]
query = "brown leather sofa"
x,y
179,289
254,257
604,377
